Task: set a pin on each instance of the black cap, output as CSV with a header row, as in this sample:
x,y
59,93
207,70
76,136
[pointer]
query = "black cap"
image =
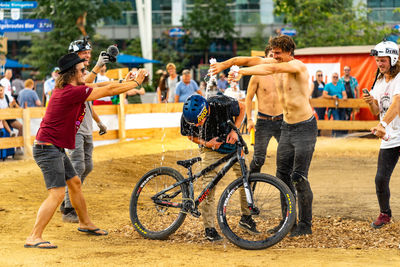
x,y
68,61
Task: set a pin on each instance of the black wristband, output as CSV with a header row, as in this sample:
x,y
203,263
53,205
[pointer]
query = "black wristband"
x,y
136,82
94,72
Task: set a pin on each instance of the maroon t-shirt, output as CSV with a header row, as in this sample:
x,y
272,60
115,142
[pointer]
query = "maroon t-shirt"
x,y
64,115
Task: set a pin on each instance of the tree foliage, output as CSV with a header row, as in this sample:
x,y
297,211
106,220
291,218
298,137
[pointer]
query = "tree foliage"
x,y
208,21
256,42
330,22
47,48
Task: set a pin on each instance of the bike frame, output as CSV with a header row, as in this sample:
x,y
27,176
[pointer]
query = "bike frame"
x,y
231,159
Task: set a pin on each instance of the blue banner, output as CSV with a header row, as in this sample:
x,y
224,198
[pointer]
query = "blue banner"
x,y
27,4
26,25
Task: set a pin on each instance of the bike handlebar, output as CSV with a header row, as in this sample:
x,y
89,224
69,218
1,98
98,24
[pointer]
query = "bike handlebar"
x,y
241,141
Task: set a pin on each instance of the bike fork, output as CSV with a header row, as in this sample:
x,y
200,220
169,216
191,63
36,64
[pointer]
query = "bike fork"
x,y
249,193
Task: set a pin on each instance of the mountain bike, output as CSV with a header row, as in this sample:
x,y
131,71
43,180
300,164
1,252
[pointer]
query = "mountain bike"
x,y
162,198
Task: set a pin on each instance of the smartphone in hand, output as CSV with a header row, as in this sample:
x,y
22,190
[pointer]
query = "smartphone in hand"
x,y
365,91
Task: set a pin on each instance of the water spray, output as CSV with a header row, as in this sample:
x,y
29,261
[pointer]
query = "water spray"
x,y
210,78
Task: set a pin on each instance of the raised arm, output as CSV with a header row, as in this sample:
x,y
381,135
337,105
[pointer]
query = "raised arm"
x,y
251,90
293,66
117,88
239,61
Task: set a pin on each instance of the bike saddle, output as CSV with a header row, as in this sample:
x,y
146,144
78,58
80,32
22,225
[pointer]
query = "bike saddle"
x,y
189,162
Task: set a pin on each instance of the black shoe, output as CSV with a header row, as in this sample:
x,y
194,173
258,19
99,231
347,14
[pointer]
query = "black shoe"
x,y
70,217
62,207
212,234
276,228
301,229
247,223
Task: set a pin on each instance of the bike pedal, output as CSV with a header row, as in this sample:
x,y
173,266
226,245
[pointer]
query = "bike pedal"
x,y
196,213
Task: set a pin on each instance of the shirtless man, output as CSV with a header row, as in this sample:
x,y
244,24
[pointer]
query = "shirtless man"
x,y
269,117
299,126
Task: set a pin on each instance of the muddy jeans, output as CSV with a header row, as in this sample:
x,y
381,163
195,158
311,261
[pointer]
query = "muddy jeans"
x,y
208,212
295,150
81,158
265,129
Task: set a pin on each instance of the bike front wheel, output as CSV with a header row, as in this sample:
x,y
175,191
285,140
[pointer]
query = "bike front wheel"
x,y
152,220
276,217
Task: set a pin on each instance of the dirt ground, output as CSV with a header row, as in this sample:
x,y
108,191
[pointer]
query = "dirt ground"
x,y
342,178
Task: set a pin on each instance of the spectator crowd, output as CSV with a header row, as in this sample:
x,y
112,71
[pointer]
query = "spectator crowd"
x,y
171,88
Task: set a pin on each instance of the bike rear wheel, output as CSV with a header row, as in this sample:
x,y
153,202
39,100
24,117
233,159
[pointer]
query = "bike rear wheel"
x,y
275,202
152,220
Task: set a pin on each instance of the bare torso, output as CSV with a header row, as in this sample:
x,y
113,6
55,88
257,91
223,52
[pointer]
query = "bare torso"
x,y
267,95
294,94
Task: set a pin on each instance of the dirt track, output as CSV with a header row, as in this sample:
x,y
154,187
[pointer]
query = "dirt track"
x,y
342,177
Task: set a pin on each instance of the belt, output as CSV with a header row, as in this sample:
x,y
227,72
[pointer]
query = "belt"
x,y
46,145
270,118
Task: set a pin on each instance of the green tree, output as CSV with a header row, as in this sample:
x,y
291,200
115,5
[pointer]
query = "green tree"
x,y
330,22
165,50
208,21
256,42
46,49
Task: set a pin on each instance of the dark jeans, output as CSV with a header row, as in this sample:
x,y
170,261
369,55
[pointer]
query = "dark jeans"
x,y
320,113
265,129
338,114
387,160
295,150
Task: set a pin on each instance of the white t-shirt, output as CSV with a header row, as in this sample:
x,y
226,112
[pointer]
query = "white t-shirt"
x,y
100,79
236,94
3,102
171,88
7,86
383,92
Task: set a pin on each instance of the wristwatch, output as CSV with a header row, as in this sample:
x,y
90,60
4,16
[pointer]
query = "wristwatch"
x,y
383,123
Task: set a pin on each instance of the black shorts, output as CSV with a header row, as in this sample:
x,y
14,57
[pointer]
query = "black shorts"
x,y
55,165
10,121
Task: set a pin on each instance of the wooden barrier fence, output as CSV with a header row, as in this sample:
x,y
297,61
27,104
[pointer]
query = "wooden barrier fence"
x,y
27,114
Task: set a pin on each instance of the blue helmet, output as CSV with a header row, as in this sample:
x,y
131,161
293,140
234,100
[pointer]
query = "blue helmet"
x,y
195,109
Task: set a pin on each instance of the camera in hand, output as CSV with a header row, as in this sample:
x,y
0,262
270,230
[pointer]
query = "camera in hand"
x,y
112,53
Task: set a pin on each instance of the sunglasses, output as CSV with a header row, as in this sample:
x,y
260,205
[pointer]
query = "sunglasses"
x,y
335,77
320,75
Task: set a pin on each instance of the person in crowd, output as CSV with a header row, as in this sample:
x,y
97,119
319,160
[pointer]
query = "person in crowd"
x,y
299,126
57,131
235,93
186,87
28,98
318,89
7,101
204,123
269,117
335,90
203,87
222,83
3,105
81,155
352,90
162,89
17,85
6,82
384,100
172,82
101,77
133,96
49,85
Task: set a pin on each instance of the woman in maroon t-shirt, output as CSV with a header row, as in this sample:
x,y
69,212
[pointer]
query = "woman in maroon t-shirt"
x,y
57,131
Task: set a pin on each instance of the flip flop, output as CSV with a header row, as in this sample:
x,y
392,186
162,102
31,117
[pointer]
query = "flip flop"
x,y
93,231
37,245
